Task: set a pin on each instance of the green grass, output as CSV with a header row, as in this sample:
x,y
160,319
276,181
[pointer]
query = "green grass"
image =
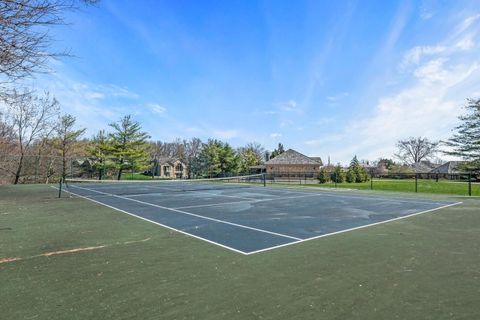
x,y
424,186
423,267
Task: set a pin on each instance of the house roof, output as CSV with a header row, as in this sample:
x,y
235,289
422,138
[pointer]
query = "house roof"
x,y
290,157
449,167
423,166
167,160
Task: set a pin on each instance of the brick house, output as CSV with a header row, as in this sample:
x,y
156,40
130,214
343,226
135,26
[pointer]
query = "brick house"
x,y
292,161
170,168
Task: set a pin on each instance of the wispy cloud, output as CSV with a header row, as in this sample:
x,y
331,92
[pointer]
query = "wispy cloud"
x,y
156,108
289,106
440,78
275,135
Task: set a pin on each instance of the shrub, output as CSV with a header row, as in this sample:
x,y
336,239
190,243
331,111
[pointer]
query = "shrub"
x,y
338,175
323,176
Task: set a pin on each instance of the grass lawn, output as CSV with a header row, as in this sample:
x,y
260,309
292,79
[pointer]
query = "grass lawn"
x,y
79,260
408,185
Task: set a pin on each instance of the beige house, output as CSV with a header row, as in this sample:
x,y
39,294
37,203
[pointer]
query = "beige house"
x,y
171,168
292,161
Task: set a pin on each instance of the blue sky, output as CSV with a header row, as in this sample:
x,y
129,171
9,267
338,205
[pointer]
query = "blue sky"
x,y
327,78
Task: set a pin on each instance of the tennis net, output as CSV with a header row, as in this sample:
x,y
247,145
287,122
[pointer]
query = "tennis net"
x,y
86,187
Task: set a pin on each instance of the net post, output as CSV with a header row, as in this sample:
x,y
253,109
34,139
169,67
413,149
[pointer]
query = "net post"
x,y
371,181
416,182
264,178
470,184
60,188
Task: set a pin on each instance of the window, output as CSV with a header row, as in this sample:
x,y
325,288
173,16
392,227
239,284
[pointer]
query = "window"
x,y
166,171
179,167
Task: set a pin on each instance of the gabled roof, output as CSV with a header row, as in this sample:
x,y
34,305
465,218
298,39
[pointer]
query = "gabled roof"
x,y
292,157
423,166
167,160
449,167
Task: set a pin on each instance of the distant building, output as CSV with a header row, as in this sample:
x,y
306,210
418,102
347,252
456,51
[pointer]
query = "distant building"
x,y
293,161
170,168
450,167
423,166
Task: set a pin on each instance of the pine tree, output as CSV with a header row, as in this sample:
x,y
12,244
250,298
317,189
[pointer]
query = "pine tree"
x,y
323,176
466,141
338,175
66,138
99,150
129,145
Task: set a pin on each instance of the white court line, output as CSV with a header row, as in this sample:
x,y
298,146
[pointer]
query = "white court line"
x,y
155,222
352,229
366,196
254,201
191,214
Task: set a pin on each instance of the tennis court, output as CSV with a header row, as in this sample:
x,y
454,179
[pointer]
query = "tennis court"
x,y
249,217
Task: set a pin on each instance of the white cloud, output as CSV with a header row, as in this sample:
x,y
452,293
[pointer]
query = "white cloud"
x,y
432,70
290,105
466,43
414,55
441,77
275,135
156,108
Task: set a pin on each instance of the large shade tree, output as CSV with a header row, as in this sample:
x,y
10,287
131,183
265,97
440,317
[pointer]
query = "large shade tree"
x,y
414,150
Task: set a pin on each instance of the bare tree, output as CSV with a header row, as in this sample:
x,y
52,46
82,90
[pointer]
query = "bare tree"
x,y
6,136
414,150
66,137
31,117
193,148
24,34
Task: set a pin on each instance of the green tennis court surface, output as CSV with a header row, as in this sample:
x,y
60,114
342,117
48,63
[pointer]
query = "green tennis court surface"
x,y
72,258
247,218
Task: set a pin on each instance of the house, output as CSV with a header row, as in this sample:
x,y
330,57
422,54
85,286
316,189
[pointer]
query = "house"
x,y
292,161
451,167
170,168
423,166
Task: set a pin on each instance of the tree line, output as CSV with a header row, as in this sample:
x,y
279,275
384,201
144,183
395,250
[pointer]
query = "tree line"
x,y
33,133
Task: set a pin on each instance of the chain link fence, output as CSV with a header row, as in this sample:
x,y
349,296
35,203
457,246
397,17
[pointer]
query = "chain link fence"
x,y
446,183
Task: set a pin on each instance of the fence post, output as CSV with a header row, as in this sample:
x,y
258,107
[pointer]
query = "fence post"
x,y
470,184
371,182
60,188
416,182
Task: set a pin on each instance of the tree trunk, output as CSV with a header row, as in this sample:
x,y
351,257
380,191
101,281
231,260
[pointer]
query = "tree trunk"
x,y
19,170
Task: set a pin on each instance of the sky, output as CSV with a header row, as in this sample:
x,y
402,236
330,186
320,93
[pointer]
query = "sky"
x,y
326,78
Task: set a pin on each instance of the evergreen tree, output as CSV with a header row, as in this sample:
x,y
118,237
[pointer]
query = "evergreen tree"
x,y
129,145
217,159
280,149
338,175
356,173
66,138
323,176
466,141
350,176
99,150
